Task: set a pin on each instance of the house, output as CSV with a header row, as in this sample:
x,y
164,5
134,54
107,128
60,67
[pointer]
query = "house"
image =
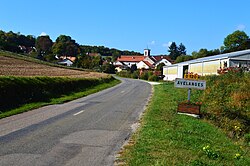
x,y
163,59
120,68
129,60
145,61
72,58
208,65
66,62
144,65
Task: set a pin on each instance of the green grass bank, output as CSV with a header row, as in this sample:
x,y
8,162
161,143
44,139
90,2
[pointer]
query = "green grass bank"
x,y
167,138
20,94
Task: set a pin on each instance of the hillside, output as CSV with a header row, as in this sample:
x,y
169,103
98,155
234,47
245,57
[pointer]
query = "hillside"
x,y
15,65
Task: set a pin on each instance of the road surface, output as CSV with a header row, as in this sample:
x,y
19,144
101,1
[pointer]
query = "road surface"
x,y
86,131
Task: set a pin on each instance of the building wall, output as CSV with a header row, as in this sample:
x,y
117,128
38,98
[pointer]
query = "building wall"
x,y
129,64
211,67
170,72
196,68
142,65
201,68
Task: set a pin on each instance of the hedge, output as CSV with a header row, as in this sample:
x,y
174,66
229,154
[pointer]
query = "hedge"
x,y
16,91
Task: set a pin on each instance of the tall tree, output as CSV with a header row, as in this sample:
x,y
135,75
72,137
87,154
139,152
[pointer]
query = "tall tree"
x,y
236,41
176,51
173,51
65,46
43,45
182,49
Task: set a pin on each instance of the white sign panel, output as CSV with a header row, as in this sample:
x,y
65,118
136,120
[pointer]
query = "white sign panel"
x,y
193,84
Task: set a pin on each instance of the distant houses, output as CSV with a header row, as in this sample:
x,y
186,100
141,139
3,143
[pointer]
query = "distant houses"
x,y
145,61
66,60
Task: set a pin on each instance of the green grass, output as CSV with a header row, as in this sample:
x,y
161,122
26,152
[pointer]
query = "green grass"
x,y
62,99
167,138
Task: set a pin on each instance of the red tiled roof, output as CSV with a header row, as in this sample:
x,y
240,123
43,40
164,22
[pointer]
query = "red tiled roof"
x,y
130,58
147,63
160,57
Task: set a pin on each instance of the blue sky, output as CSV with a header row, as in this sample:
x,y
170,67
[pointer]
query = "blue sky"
x,y
129,24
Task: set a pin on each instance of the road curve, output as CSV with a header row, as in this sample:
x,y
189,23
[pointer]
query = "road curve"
x,y
86,131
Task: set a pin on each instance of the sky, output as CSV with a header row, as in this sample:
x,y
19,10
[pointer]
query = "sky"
x,y
129,24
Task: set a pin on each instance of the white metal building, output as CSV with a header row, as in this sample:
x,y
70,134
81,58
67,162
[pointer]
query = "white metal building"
x,y
208,65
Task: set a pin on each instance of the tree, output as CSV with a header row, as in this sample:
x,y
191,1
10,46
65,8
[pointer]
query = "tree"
x,y
65,46
182,49
11,42
43,45
236,41
173,49
183,58
176,51
203,52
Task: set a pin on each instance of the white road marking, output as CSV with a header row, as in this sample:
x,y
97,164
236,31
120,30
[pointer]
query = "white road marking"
x,y
79,112
122,91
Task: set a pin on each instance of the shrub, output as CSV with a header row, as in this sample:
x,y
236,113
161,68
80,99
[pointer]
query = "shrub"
x,y
227,102
144,76
108,68
153,78
135,74
16,91
247,138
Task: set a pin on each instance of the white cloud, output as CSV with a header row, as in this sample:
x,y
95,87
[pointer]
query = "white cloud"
x,y
43,34
241,27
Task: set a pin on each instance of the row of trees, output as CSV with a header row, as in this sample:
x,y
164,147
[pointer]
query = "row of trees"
x,y
236,41
46,49
11,41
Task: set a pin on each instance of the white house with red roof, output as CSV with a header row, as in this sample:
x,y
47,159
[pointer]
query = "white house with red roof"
x,y
145,61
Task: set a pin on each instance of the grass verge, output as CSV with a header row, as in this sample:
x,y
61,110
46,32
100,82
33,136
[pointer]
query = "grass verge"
x,y
62,99
167,138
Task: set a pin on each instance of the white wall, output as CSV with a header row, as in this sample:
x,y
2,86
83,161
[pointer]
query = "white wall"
x,y
142,65
170,72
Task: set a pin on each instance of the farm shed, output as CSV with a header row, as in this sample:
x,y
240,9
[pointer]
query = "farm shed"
x,y
208,65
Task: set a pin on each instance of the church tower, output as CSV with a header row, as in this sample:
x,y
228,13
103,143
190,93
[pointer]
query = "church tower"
x,y
146,52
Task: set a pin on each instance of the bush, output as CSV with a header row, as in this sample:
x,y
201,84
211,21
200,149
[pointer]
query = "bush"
x,y
227,102
16,91
153,78
144,76
135,74
108,68
247,138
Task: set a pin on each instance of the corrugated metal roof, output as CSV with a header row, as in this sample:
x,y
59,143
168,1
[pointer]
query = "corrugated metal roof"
x,y
220,56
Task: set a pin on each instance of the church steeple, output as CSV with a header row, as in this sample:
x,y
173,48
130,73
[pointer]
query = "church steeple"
x,y
147,52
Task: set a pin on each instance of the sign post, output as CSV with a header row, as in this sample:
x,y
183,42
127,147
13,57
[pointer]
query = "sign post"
x,y
189,94
188,107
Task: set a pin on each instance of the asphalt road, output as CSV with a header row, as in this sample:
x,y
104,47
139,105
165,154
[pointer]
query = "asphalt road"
x,y
86,131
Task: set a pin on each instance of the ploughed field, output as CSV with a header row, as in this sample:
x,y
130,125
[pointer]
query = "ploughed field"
x,y
17,67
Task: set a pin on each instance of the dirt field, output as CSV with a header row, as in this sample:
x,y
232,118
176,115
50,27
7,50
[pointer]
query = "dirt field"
x,y
17,67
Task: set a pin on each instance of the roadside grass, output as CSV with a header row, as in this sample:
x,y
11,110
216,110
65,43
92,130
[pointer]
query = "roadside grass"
x,y
167,138
61,99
